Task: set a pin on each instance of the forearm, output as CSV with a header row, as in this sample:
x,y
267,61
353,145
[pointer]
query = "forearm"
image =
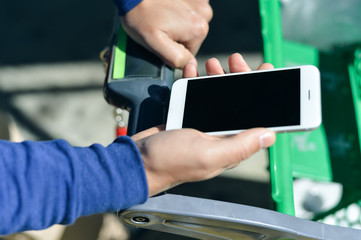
x,y
44,183
125,6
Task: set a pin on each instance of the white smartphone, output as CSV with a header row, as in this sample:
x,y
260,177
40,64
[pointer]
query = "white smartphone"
x,y
284,100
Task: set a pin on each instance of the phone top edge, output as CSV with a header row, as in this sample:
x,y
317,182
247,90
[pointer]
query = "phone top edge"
x,y
250,72
311,67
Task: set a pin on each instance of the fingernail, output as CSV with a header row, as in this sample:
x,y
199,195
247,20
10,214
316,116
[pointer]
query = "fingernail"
x,y
193,61
266,139
242,59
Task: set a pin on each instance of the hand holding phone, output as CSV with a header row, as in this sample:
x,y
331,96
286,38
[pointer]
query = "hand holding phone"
x,y
283,100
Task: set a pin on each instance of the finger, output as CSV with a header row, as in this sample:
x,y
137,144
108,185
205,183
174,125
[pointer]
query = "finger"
x,y
201,7
192,28
237,63
190,70
265,66
195,35
194,44
247,142
213,67
171,52
148,132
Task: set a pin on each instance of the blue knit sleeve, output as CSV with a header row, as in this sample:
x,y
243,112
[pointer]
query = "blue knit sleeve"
x,y
125,6
45,183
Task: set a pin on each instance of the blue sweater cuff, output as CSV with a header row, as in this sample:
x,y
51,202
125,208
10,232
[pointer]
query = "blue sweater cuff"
x,y
124,183
125,6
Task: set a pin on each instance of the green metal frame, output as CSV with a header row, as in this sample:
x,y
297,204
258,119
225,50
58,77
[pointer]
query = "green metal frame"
x,y
354,69
287,158
335,157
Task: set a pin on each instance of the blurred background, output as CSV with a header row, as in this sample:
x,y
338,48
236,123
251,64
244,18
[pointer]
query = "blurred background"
x,y
52,49
51,83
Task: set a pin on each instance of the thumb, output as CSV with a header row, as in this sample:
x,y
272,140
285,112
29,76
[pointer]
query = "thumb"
x,y
241,146
148,132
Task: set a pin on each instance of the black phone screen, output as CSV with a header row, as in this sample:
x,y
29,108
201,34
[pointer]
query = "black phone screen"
x,y
263,99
